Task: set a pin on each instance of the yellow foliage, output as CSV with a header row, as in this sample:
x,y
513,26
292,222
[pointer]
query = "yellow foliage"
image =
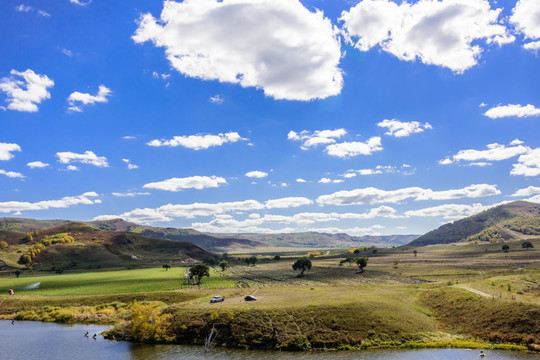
x,y
147,323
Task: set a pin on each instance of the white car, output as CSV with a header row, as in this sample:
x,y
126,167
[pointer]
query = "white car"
x,y
216,299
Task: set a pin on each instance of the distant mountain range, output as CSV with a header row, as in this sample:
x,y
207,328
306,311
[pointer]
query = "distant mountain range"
x,y
513,221
220,242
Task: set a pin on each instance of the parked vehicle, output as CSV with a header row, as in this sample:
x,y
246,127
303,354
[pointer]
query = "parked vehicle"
x,y
216,299
250,298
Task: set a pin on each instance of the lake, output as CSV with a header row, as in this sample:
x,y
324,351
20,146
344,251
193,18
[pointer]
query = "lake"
x,y
44,341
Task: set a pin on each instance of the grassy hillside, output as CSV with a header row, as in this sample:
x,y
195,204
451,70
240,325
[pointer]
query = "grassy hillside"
x,y
517,215
91,248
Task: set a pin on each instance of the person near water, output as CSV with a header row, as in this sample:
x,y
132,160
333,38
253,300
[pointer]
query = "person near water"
x,y
482,354
12,322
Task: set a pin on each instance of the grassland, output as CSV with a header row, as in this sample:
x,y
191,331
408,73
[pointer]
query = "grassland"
x,y
401,300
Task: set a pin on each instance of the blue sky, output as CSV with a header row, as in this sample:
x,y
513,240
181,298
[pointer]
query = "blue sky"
x,y
365,117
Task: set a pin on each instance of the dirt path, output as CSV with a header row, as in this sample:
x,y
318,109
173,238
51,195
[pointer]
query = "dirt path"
x,y
478,292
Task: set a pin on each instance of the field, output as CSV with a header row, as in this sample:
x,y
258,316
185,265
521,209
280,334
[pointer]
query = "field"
x,y
402,299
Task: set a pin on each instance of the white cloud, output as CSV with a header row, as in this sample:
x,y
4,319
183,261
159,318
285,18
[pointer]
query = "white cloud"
x,y
80,3
448,211
23,8
355,148
525,17
37,164
72,168
66,202
379,169
398,128
319,137
139,216
6,150
256,174
512,110
191,182
528,164
11,174
371,195
445,33
355,231
216,99
328,181
275,45
198,142
88,157
129,137
300,180
24,94
528,191
288,202
77,98
130,165
129,194
494,152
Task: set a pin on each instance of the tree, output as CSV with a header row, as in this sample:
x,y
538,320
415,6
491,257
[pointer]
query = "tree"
x,y
415,252
166,266
17,273
224,265
211,260
362,263
527,245
277,257
396,263
505,248
198,271
357,251
302,264
28,237
3,245
251,260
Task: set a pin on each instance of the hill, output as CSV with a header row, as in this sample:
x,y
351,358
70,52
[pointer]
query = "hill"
x,y
510,221
75,245
323,240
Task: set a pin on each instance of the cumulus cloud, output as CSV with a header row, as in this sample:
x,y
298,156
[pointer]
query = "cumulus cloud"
x,y
25,89
355,148
198,142
80,2
216,99
379,169
528,191
130,165
398,128
447,33
72,168
257,174
528,164
371,195
6,150
300,180
278,46
525,17
87,198
319,137
11,174
329,181
287,202
129,194
88,157
448,211
37,164
77,98
191,182
494,152
512,110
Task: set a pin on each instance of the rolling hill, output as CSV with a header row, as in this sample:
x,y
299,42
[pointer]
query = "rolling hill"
x,y
515,220
75,245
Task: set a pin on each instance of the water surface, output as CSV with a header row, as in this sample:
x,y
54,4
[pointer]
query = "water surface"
x,y
48,341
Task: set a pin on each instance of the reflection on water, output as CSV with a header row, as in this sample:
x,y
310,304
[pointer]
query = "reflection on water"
x,y
45,341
